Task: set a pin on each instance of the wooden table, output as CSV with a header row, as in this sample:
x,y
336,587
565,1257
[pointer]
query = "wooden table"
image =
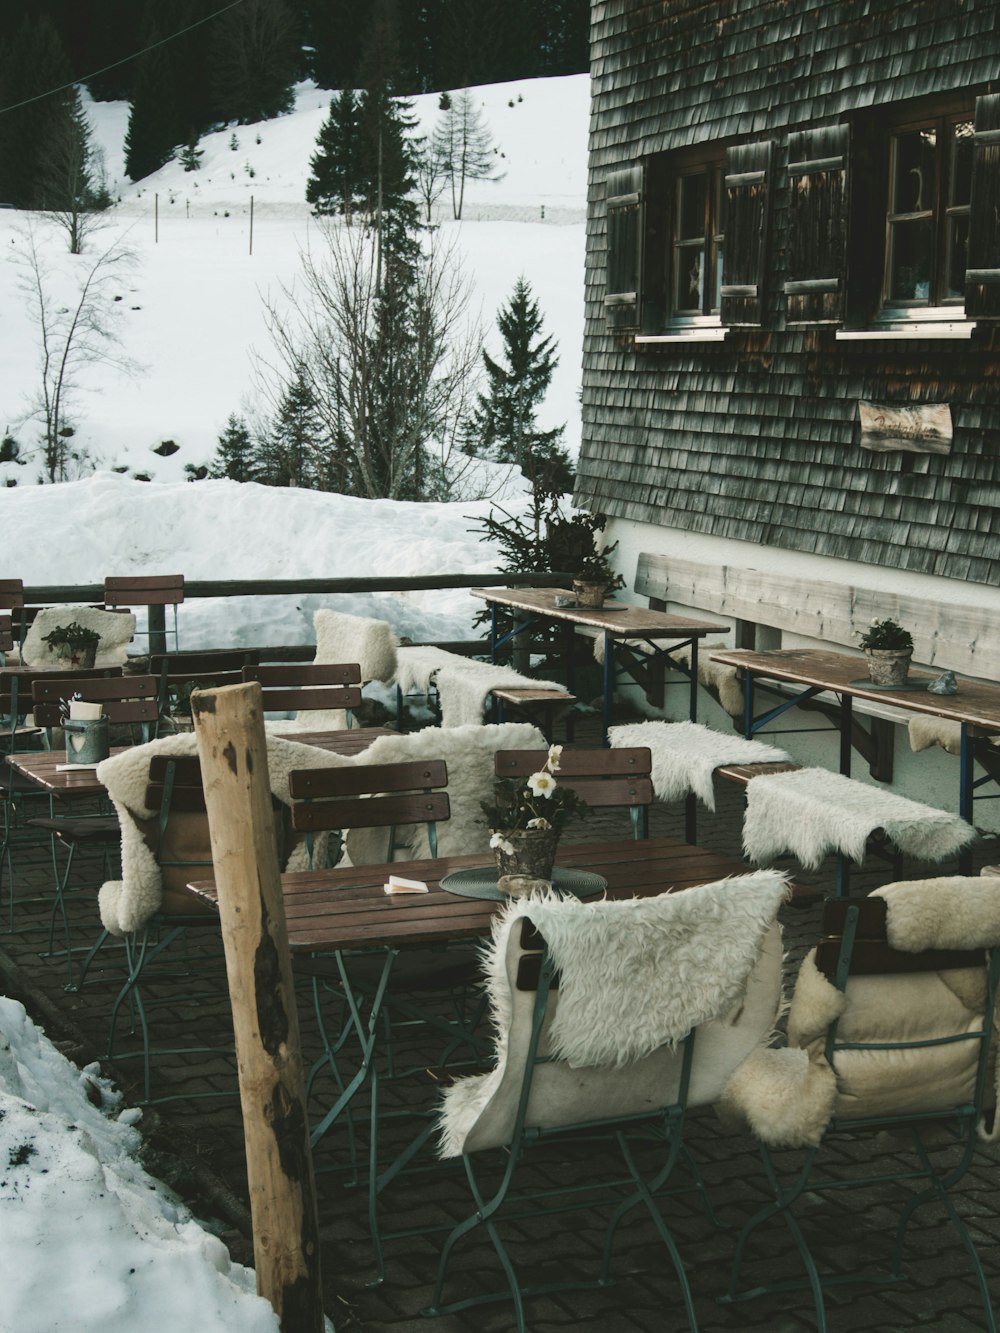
x,y
631,622
976,706
345,909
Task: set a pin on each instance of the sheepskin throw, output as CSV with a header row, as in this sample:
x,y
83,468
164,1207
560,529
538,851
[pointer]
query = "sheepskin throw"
x,y
812,812
463,684
927,731
685,754
635,977
116,629
469,753
370,643
127,904
789,1095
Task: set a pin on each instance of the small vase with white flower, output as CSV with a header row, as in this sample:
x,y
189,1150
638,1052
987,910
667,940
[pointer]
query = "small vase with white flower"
x,y
527,816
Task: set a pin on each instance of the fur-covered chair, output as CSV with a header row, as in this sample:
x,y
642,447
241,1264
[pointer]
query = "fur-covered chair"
x,y
890,1026
657,1001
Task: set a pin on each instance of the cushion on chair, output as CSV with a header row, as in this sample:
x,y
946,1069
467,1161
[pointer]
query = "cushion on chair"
x,y
789,1096
370,643
635,977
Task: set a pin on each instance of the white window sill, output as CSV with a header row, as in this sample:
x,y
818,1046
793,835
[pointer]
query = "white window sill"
x,y
716,335
955,330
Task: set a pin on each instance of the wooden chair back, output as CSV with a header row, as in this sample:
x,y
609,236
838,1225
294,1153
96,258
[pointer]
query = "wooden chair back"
x,y
291,687
340,798
134,590
208,670
6,634
869,952
16,687
603,778
123,699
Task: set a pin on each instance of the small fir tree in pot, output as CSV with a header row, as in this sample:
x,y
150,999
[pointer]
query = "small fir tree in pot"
x,y
888,648
73,643
595,578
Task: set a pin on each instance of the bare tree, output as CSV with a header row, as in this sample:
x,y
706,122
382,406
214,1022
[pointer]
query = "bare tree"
x,y
73,335
431,178
464,146
391,362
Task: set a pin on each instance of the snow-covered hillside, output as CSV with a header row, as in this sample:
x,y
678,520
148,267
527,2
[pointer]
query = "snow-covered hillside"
x,y
191,309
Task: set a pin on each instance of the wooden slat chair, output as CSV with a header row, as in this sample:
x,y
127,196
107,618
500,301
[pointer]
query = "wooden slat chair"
x,y
6,638
178,673
903,1052
160,590
605,1074
605,779
178,836
127,701
17,794
376,796
12,627
320,686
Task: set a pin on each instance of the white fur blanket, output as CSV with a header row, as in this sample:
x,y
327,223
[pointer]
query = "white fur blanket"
x,y
370,643
788,1095
116,629
635,975
812,812
462,684
927,731
127,904
685,754
469,753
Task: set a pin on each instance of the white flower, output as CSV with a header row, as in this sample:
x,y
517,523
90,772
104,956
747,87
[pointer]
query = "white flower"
x,y
541,784
499,841
538,823
555,754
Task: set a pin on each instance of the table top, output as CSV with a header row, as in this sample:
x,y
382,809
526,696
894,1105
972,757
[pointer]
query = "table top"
x,y
977,703
631,622
346,908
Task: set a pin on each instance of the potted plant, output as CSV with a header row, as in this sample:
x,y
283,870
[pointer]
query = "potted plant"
x,y
888,648
179,704
73,643
595,578
527,816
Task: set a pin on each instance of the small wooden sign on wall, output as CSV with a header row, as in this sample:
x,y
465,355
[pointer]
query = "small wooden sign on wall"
x,y
918,428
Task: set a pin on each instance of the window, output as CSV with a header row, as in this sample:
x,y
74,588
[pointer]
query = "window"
x,y
927,224
697,241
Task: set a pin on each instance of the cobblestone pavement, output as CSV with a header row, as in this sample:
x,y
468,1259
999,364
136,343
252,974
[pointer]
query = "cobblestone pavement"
x,y
198,1145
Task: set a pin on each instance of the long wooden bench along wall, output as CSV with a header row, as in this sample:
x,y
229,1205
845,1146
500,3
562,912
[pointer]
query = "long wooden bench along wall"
x,y
946,635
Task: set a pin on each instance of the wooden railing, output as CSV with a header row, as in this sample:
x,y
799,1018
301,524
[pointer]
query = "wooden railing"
x,y
72,594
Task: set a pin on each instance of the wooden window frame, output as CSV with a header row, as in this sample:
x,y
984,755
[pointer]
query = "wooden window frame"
x,y
661,242
710,244
941,116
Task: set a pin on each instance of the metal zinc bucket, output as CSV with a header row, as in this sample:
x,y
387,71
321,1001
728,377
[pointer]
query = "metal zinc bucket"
x,y
86,742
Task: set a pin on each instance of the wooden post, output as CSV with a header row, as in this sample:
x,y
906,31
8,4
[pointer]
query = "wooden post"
x,y
229,725
156,624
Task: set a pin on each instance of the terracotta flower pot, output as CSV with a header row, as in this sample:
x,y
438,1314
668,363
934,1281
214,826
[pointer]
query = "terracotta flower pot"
x,y
533,854
888,666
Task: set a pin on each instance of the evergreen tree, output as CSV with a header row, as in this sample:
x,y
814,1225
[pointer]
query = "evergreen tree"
x,y
464,146
235,453
294,437
255,61
33,63
332,31
505,418
335,183
70,181
153,123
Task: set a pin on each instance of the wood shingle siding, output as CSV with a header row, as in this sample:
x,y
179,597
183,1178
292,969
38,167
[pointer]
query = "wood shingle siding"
x,y
756,437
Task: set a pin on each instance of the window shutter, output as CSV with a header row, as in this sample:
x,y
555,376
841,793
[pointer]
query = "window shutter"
x,y
748,171
623,293
817,225
982,276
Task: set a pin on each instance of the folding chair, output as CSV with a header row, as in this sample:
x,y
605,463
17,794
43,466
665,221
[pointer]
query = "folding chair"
x,y
126,701
178,673
154,592
11,626
326,687
598,1038
605,779
882,1037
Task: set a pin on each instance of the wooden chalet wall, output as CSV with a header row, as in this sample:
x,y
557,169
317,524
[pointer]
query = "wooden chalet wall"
x,y
756,437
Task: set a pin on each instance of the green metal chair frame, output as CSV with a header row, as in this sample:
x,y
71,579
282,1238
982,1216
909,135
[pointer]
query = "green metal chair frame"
x,y
855,945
